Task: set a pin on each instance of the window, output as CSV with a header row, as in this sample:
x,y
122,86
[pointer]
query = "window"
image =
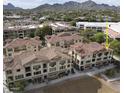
x,y
9,71
72,52
28,74
88,61
68,65
45,70
36,67
52,69
106,53
88,27
93,27
27,69
19,77
57,44
105,57
82,62
10,49
82,57
77,61
110,53
69,61
10,78
52,44
62,62
79,40
100,54
9,54
18,70
76,41
98,59
62,67
37,73
94,55
44,65
52,64
93,60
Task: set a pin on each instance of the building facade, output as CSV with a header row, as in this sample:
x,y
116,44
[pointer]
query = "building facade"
x,y
36,67
58,27
85,56
98,26
12,33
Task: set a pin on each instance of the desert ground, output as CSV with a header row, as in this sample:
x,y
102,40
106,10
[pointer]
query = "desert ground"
x,y
83,84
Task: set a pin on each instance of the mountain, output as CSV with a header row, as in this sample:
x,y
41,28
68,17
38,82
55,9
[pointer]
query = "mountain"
x,y
10,6
71,5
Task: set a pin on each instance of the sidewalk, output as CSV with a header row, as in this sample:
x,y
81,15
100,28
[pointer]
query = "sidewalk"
x,y
110,80
90,72
116,57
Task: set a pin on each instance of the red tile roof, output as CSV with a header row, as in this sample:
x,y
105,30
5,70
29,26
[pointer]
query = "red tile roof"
x,y
22,42
87,48
113,34
63,37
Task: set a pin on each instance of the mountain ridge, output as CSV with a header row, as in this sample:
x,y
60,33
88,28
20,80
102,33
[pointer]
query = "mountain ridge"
x,y
71,5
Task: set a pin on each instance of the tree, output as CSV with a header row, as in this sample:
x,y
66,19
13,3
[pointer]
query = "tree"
x,y
115,45
111,72
34,18
32,34
47,30
20,85
73,23
98,37
67,18
87,33
41,32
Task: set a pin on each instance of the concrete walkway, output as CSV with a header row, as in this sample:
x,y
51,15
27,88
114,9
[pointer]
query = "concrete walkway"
x,y
110,79
90,72
116,57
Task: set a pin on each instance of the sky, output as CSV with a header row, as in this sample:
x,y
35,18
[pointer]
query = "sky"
x,y
34,3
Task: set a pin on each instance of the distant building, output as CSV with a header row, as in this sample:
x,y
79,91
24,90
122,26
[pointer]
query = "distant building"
x,y
98,26
18,31
64,39
114,31
88,55
59,27
36,67
41,19
13,17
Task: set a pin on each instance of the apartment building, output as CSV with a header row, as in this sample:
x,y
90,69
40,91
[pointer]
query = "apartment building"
x,y
88,55
19,45
98,26
17,32
37,67
12,32
64,39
